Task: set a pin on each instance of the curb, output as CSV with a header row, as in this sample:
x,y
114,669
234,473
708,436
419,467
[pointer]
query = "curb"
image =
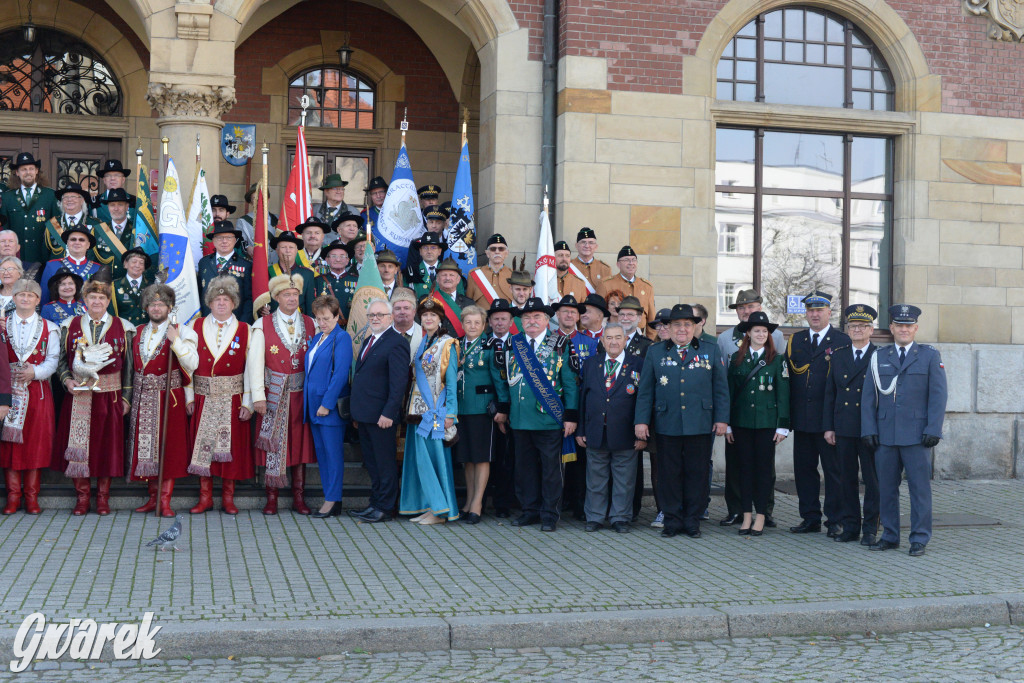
x,y
571,629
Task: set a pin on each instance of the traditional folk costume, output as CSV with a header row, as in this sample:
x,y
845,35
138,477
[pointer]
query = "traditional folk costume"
x,y
60,310
221,441
90,436
277,375
28,431
152,358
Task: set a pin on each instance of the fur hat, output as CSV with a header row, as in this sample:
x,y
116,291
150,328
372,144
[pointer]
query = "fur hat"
x,y
157,292
222,284
403,294
283,282
25,285
95,286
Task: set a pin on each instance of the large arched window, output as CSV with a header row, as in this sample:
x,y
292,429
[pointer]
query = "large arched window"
x,y
56,74
340,99
799,210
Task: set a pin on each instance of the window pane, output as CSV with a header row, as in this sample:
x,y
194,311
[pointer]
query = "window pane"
x,y
330,119
861,56
734,216
746,71
870,223
861,78
748,30
316,175
794,19
366,101
861,100
773,25
313,78
354,170
818,85
815,26
772,49
724,69
729,49
734,151
816,53
801,243
794,52
803,161
746,47
836,55
746,93
835,32
724,91
870,165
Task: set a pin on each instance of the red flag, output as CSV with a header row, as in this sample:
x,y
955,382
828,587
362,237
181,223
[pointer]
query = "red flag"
x,y
297,204
260,259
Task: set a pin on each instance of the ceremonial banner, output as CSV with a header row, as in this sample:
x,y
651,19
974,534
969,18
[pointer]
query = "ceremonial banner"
x,y
461,232
175,250
370,286
260,256
400,218
145,224
297,204
546,274
200,217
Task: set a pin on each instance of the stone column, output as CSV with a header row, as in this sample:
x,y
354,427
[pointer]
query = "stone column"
x,y
186,111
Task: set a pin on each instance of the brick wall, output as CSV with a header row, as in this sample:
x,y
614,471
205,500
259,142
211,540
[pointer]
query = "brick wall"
x,y
429,97
645,43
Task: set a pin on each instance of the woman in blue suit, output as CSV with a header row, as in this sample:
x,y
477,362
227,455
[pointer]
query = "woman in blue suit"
x,y
328,360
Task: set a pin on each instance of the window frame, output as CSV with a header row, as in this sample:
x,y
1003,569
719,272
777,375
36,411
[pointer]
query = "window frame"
x,y
361,81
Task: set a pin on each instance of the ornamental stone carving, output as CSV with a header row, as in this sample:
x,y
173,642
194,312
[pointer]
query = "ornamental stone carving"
x,y
190,100
1006,16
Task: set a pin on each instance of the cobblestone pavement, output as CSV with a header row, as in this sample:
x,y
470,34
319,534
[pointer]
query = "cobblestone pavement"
x,y
979,654
291,567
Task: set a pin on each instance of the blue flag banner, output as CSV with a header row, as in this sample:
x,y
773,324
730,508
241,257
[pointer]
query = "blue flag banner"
x,y
175,250
461,232
400,219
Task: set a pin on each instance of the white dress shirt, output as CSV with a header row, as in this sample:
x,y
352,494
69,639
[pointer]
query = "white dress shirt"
x,y
21,332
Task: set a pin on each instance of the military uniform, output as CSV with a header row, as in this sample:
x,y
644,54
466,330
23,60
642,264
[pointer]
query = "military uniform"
x,y
904,410
342,288
683,393
538,434
809,367
499,281
127,300
28,218
570,284
642,289
237,267
596,271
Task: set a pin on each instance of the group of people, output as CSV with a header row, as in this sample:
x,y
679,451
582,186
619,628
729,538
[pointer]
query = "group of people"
x,y
547,406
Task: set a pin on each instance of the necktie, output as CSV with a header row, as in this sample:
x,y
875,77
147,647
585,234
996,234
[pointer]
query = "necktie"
x,y
28,195
857,359
366,349
96,325
533,345
814,341
135,286
903,355
432,272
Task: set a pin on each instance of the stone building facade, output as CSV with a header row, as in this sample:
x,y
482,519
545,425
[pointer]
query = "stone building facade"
x,y
646,96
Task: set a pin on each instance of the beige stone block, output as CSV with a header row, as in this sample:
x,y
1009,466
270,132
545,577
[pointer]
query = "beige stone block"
x,y
671,285
583,72
660,218
953,126
609,221
941,275
576,133
534,104
1017,322
615,127
969,232
676,265
580,182
584,101
974,324
654,242
1000,213
514,69
914,282
667,176
697,221
929,93
980,255
704,188
657,104
965,211
1015,152
959,192
973,149
698,137
1012,277
122,56
509,183
99,33
944,294
1015,296
517,139
1012,233
510,103
518,223
705,276
135,85
975,277
651,194
927,160
983,296
1008,195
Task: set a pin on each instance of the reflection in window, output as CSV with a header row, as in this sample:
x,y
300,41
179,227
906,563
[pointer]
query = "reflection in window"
x,y
804,56
340,99
802,218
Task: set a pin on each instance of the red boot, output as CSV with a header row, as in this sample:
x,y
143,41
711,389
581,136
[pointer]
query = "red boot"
x,y
166,491
150,504
82,493
299,490
271,507
227,497
31,488
13,481
205,496
103,496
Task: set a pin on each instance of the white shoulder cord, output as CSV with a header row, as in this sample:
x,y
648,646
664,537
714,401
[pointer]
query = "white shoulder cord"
x,y
878,380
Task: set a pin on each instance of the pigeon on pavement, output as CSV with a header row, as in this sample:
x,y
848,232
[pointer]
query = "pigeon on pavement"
x,y
166,539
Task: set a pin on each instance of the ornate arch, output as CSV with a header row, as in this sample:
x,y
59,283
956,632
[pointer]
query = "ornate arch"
x,y
916,88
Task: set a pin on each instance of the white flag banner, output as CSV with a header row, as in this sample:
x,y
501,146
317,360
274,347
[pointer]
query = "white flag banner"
x,y
200,216
175,248
546,274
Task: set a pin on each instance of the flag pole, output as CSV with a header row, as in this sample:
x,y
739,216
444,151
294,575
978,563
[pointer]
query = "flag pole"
x,y
465,123
195,183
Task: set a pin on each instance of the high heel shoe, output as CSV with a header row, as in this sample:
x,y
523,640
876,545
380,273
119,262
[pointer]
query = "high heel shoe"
x,y
744,532
333,512
758,532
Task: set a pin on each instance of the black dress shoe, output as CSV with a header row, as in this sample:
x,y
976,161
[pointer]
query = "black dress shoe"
x,y
757,532
834,530
669,533
744,532
591,526
333,512
502,513
847,536
769,522
471,518
547,526
525,520
867,539
916,549
693,534
359,513
806,527
376,516
621,527
731,519
885,545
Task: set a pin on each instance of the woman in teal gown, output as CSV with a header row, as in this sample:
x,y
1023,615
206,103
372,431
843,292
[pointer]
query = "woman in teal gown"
x,y
428,486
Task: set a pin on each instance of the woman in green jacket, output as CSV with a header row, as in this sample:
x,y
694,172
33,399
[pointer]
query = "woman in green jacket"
x,y
476,425
759,419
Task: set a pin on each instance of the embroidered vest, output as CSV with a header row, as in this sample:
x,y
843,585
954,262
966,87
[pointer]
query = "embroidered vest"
x,y
282,360
229,364
114,336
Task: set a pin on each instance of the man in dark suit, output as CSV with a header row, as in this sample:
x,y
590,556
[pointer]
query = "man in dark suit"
x,y
607,404
27,208
841,420
379,381
809,356
901,419
226,261
630,312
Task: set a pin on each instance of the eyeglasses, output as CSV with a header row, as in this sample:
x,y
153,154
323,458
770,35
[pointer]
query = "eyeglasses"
x,y
377,315
8,270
